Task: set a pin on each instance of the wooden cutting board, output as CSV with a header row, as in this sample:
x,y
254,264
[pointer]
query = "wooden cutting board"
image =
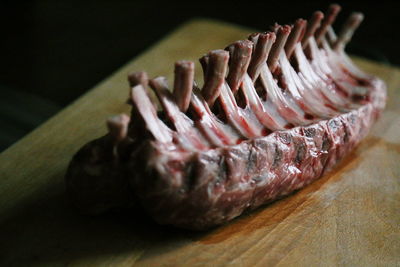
x,y
350,217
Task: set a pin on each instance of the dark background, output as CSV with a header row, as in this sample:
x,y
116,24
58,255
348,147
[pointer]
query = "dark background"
x,y
53,51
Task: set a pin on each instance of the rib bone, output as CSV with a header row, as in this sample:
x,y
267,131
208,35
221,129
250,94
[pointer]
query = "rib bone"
x,y
183,83
330,17
348,30
215,67
282,35
312,26
262,46
294,37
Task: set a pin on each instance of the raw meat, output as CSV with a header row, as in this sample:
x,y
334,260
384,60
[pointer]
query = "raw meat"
x,y
275,113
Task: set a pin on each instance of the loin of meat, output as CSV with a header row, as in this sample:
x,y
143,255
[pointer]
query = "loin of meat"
x,y
275,113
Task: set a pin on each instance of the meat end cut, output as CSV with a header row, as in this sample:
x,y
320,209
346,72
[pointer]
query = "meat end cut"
x,y
275,112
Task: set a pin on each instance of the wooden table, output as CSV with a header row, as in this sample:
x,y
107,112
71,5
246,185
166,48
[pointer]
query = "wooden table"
x,y
350,217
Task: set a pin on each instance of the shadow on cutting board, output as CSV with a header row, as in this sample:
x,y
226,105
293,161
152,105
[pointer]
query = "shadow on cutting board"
x,y
45,228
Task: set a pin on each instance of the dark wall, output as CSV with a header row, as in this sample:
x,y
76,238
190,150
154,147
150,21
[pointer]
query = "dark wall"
x,y
56,50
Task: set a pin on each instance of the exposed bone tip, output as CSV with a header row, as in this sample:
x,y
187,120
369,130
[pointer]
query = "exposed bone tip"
x,y
203,57
318,14
268,36
240,45
186,64
271,36
335,8
121,119
138,77
118,126
260,36
333,11
204,61
245,43
357,16
275,27
254,35
158,80
219,53
300,22
286,29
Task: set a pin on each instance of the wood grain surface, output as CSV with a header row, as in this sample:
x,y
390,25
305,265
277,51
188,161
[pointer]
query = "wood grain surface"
x,y
350,217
